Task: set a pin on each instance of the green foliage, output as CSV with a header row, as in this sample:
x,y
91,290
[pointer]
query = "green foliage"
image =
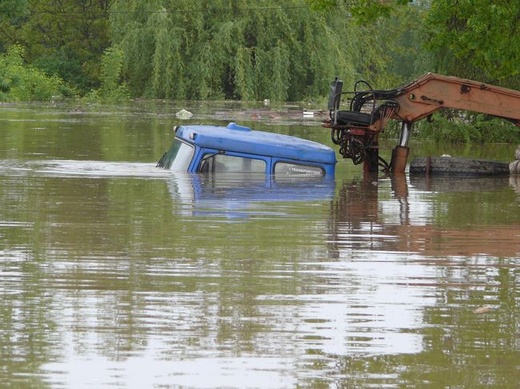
x,y
233,50
402,46
458,127
20,82
476,39
363,11
243,73
494,130
111,86
13,8
192,49
66,38
251,50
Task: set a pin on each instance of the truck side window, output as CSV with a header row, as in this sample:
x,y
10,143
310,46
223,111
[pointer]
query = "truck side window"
x,y
292,169
219,163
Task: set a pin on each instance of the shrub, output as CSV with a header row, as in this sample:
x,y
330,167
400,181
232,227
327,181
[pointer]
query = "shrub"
x,y
22,82
461,127
112,89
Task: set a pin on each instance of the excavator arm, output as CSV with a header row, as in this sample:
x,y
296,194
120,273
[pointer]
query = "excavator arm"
x,y
434,91
356,130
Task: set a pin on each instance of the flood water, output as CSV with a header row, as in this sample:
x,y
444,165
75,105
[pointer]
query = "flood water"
x,y
116,274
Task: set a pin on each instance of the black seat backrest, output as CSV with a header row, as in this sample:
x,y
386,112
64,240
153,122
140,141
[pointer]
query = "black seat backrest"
x,y
336,87
354,118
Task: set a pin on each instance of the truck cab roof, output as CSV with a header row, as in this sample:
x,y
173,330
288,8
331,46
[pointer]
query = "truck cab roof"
x,y
207,141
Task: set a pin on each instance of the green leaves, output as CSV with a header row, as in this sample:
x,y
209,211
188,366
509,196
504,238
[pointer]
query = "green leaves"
x,y
13,8
476,39
255,50
362,11
21,82
189,49
111,86
66,38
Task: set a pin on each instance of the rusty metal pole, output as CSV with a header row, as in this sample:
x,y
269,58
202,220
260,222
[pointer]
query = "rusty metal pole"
x,y
371,162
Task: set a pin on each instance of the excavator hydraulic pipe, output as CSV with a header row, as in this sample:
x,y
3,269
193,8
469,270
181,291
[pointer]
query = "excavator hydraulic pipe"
x,y
406,130
399,159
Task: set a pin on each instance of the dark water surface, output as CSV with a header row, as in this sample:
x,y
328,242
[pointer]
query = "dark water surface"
x,y
116,274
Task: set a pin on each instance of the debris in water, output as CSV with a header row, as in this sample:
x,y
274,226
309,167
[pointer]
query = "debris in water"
x,y
183,114
483,309
308,114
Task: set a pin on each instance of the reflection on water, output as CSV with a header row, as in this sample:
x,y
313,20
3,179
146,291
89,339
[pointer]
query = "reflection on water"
x,y
236,196
120,274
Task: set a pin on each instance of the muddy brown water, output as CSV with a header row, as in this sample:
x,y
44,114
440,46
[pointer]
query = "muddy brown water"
x,y
116,274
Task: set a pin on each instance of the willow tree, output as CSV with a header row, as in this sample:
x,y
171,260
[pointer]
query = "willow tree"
x,y
240,49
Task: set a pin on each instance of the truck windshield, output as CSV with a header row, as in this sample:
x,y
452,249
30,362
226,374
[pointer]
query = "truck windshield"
x,y
178,157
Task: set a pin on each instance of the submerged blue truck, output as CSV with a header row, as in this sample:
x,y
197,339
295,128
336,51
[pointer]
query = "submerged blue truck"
x,y
239,149
235,148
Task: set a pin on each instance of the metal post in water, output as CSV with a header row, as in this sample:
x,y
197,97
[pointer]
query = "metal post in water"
x,y
371,162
